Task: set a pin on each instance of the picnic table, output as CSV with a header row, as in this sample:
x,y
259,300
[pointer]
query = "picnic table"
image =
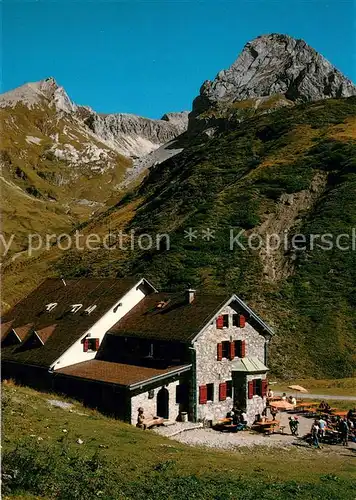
x,y
340,413
266,426
225,424
306,404
310,407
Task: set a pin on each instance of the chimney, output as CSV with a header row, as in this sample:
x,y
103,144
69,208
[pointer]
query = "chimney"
x,y
190,295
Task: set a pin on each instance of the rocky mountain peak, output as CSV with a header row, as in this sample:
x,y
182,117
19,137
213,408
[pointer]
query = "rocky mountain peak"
x,y
36,93
275,64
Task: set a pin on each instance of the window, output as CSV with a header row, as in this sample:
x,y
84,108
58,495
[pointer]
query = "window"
x,y
254,388
51,306
150,351
75,308
222,321
90,344
257,387
210,392
181,393
151,394
240,348
229,388
225,349
238,320
90,309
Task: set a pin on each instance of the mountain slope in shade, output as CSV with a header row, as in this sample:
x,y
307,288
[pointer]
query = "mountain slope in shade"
x,y
136,136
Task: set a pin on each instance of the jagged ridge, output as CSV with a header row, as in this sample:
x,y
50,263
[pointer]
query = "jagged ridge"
x,y
275,64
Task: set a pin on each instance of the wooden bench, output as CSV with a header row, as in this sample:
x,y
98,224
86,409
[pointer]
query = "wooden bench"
x,y
151,421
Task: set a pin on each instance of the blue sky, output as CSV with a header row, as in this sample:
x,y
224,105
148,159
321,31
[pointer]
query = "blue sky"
x,y
149,57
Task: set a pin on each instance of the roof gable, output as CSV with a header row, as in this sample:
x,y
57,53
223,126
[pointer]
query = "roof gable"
x,y
178,320
59,328
169,316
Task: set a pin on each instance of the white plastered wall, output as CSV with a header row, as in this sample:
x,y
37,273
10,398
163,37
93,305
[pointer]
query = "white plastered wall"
x,y
75,353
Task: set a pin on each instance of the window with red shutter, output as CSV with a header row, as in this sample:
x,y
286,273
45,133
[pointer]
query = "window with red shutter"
x,y
86,345
219,352
232,350
222,391
210,392
229,388
220,322
264,387
250,389
226,349
243,349
242,321
97,343
254,385
203,394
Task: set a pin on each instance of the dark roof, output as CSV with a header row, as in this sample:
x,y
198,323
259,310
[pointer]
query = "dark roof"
x,y
118,373
45,333
22,331
65,328
5,328
178,320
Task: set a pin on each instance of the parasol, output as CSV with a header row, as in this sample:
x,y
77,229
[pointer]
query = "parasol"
x,y
298,388
282,405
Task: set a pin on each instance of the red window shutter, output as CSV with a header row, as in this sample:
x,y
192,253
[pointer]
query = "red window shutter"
x,y
97,343
264,388
203,394
222,391
250,389
243,348
219,352
242,321
85,345
220,322
232,350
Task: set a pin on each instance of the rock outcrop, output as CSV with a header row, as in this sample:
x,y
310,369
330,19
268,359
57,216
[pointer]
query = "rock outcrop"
x,y
275,65
35,93
136,136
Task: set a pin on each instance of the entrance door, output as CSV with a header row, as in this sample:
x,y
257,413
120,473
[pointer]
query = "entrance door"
x,y
163,403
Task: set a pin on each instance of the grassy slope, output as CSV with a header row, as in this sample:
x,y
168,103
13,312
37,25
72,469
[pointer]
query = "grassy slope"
x,y
121,461
336,387
40,193
236,181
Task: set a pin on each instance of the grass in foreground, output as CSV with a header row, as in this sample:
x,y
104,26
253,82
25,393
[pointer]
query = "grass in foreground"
x,y
41,457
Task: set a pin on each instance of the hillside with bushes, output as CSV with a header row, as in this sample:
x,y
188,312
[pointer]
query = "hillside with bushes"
x,y
289,172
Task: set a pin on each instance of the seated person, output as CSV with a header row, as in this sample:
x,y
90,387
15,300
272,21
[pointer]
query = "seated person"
x,y
292,400
145,423
284,396
274,412
141,419
243,421
270,393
